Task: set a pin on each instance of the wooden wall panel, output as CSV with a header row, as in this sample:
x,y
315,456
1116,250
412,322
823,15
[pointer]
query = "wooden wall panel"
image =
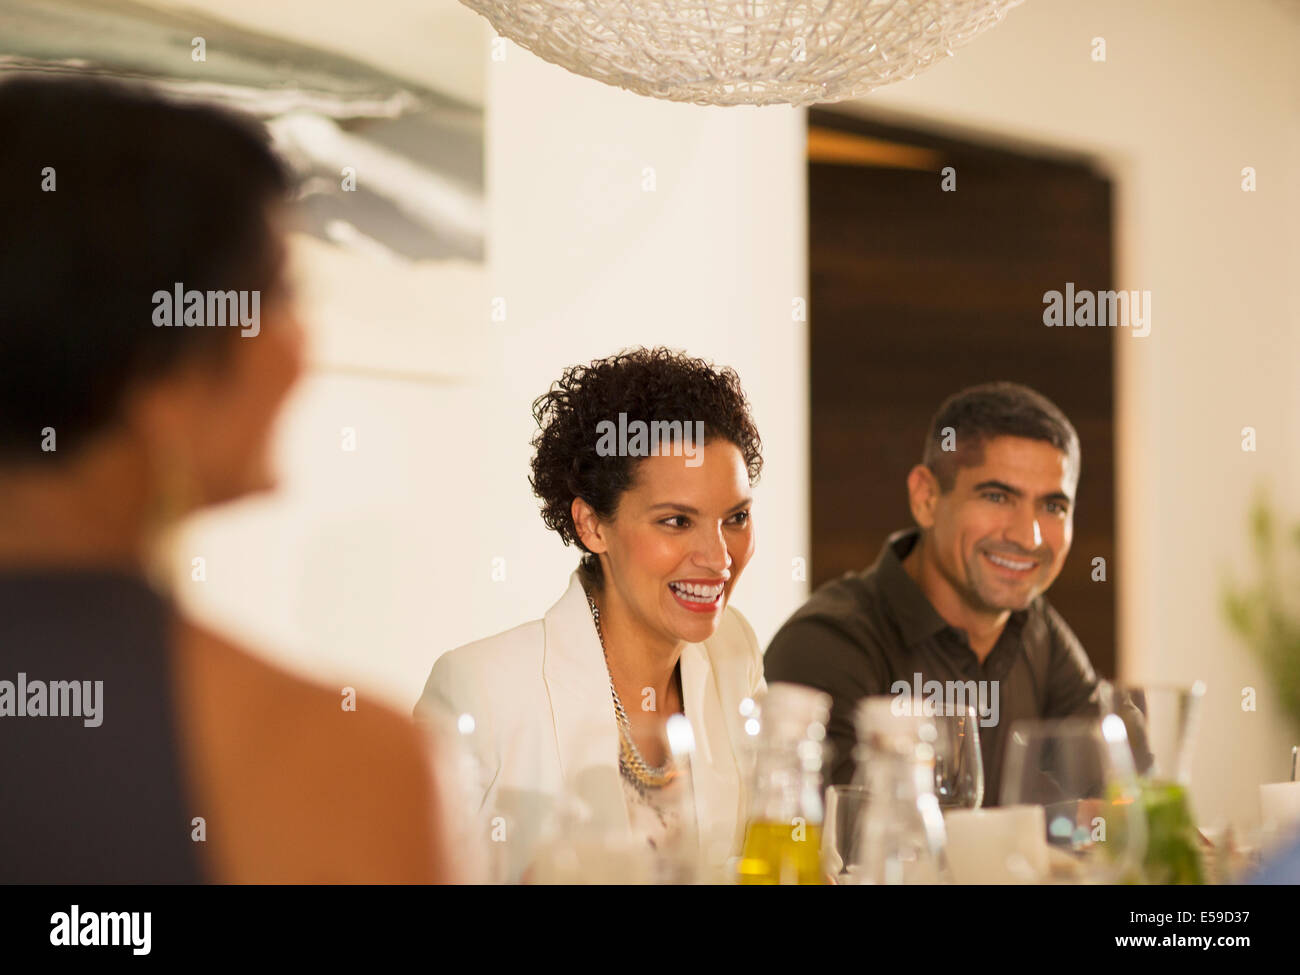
x,y
916,293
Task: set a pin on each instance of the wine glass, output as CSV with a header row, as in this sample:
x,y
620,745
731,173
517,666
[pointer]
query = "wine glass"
x,y
955,736
1080,770
958,762
1161,721
603,829
464,784
663,814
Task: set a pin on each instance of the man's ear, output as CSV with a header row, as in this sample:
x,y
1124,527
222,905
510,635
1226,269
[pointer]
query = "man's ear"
x,y
587,524
922,495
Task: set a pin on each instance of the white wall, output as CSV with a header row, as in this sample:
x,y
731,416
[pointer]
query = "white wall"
x,y
1191,92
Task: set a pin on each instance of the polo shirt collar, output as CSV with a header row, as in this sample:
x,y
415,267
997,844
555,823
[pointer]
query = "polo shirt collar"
x,y
906,604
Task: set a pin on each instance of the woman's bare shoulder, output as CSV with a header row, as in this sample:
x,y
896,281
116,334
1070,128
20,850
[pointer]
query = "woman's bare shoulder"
x,y
292,766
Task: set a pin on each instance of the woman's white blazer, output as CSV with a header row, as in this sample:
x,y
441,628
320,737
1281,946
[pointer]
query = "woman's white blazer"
x,y
544,725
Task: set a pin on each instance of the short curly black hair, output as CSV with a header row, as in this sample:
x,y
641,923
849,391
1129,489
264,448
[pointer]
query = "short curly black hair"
x,y
649,385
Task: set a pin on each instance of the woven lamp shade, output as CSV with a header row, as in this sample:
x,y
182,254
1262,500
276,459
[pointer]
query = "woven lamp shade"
x,y
762,52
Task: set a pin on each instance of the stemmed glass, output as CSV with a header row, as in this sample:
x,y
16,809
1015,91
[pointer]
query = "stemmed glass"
x,y
1080,770
578,846
958,762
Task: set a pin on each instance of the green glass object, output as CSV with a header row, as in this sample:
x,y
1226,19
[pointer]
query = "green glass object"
x,y
1173,844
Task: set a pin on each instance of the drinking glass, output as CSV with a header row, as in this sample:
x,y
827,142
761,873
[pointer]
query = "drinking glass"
x,y
958,762
1080,770
455,748
1161,721
845,807
586,839
678,855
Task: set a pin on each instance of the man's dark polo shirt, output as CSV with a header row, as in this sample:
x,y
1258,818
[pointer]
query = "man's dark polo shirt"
x,y
860,633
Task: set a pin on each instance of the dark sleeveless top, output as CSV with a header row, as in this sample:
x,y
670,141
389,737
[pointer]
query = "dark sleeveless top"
x,y
78,804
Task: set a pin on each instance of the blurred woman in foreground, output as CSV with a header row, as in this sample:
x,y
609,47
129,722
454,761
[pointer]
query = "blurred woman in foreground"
x,y
139,747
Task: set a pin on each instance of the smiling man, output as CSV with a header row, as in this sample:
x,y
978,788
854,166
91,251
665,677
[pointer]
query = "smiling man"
x,y
959,598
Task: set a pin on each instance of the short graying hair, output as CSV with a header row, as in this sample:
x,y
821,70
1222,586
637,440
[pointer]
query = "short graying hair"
x,y
999,409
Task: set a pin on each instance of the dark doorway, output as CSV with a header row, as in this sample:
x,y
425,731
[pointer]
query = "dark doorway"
x,y
917,292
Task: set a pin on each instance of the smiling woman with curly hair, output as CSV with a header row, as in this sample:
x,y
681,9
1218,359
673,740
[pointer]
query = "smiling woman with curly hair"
x,y
645,461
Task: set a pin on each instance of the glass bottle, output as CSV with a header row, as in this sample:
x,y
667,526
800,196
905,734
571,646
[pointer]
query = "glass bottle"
x,y
903,839
784,825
